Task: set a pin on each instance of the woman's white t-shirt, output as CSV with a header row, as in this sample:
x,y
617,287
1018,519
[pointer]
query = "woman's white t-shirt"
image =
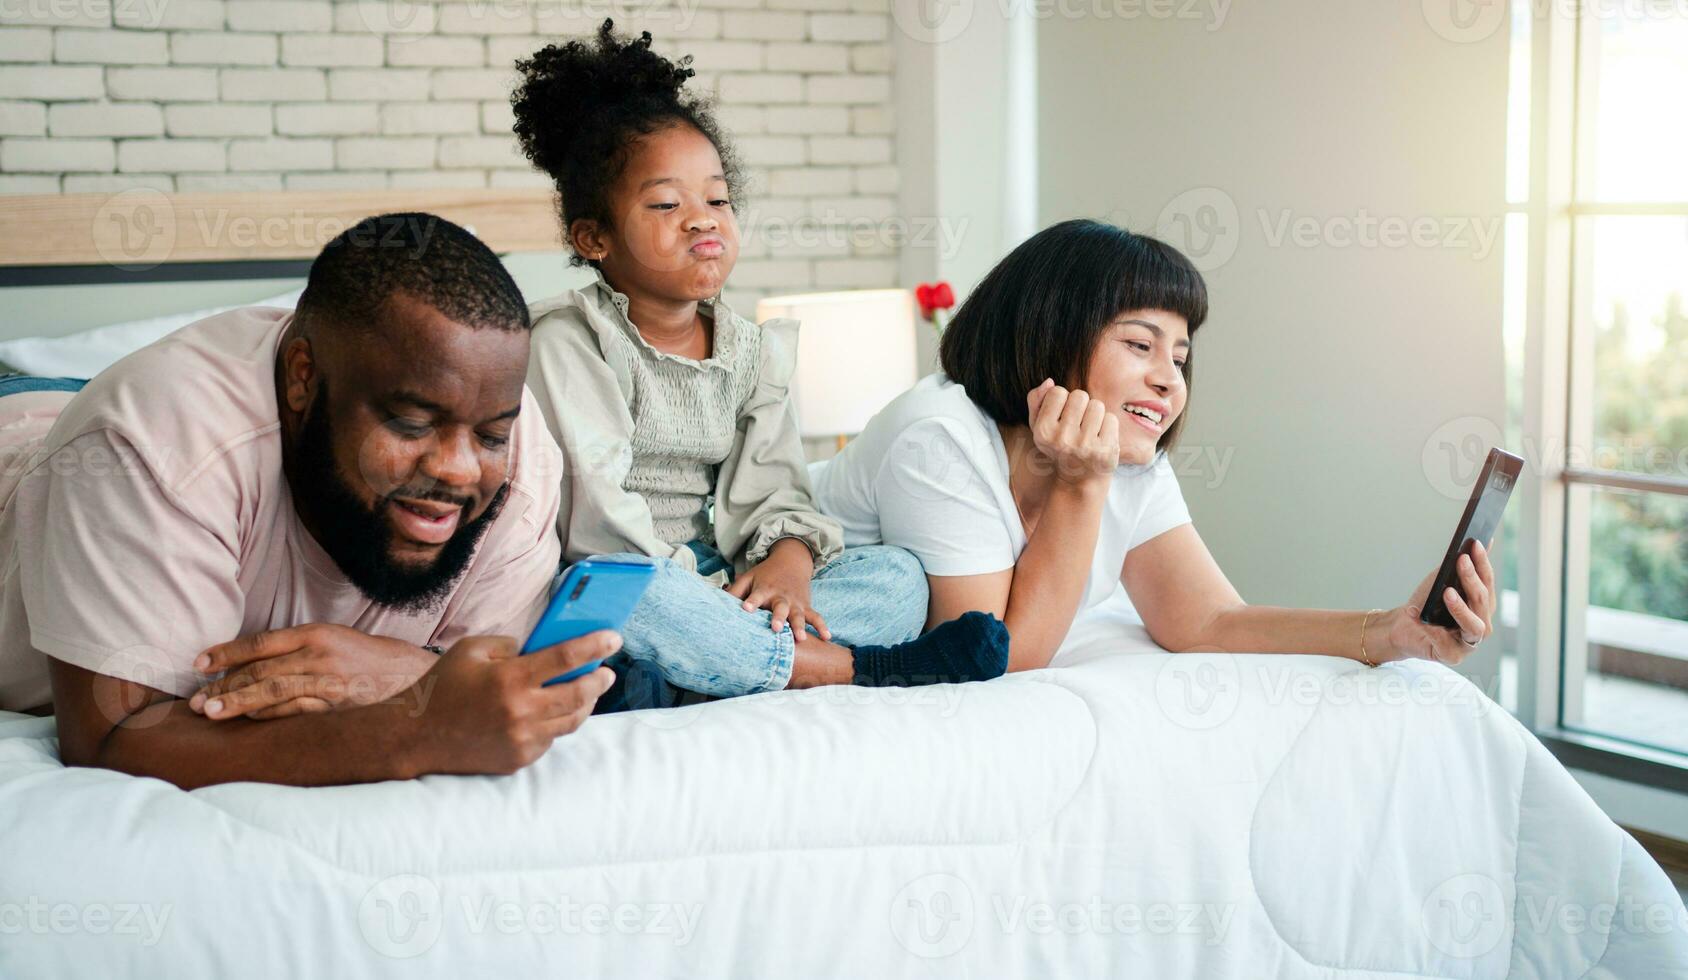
x,y
930,474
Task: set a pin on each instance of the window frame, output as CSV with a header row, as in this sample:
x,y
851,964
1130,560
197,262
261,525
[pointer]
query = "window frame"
x,y
1553,563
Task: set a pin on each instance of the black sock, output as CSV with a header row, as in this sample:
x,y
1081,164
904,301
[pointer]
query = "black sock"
x,y
972,648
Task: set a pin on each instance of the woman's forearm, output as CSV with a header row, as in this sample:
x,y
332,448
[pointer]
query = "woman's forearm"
x,y
1276,629
1050,577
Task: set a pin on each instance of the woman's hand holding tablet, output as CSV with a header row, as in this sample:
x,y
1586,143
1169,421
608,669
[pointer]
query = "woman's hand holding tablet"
x,y
1453,608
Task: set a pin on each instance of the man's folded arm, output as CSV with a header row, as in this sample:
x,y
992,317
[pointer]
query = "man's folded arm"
x,y
116,724
480,709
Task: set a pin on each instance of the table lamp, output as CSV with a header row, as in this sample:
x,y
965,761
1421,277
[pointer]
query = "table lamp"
x,y
855,352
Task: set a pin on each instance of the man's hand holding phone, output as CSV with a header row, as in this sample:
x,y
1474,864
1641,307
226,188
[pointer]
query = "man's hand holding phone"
x,y
485,707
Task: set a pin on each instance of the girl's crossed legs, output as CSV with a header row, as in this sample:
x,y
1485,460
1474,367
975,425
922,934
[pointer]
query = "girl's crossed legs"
x,y
688,634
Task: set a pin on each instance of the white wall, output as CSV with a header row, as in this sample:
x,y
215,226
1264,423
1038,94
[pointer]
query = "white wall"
x,y
1326,366
966,140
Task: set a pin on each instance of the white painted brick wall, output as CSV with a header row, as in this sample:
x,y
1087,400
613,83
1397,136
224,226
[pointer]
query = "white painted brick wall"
x,y
414,118
50,82
377,153
471,83
325,118
26,44
218,119
326,50
105,119
273,85
47,155
281,153
379,84
173,156
98,96
23,119
293,15
111,47
222,48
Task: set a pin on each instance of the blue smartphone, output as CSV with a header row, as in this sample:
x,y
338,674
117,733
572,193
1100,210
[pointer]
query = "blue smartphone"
x,y
596,594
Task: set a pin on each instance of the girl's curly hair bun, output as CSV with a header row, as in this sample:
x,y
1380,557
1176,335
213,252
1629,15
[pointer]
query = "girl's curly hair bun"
x,y
582,105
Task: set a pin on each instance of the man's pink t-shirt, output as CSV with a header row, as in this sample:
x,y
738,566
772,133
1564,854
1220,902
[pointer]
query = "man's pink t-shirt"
x,y
155,522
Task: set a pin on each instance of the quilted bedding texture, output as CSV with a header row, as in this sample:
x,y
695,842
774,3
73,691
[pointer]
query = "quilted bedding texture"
x,y
1132,814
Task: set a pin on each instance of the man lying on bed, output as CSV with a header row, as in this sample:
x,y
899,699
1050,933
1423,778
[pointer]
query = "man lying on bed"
x,y
349,483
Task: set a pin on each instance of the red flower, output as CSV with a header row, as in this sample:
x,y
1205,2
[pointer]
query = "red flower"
x,y
934,296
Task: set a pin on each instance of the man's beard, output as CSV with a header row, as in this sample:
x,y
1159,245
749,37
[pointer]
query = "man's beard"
x,y
357,536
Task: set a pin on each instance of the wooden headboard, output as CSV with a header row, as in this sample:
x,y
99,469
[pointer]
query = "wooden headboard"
x,y
141,229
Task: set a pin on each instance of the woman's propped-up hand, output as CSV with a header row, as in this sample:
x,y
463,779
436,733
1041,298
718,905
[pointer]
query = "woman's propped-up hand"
x,y
1076,432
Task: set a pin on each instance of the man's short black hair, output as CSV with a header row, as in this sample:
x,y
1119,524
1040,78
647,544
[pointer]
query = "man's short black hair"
x,y
421,255
1041,311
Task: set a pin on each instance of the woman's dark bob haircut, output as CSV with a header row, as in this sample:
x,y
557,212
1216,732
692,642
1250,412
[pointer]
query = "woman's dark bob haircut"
x,y
1041,312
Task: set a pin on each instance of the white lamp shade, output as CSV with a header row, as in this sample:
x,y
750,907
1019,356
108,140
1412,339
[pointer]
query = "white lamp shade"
x,y
855,352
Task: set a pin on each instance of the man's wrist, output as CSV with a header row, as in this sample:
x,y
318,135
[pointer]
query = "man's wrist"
x,y
409,746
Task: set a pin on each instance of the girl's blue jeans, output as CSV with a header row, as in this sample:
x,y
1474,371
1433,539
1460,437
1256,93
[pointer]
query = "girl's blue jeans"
x,y
688,634
15,384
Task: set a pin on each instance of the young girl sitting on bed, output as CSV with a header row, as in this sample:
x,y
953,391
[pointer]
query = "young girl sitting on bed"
x,y
1030,477
674,414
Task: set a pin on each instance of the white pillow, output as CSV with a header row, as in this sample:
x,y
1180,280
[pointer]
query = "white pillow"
x,y
85,354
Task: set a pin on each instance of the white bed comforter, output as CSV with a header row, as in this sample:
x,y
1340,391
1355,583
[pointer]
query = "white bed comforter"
x,y
1140,815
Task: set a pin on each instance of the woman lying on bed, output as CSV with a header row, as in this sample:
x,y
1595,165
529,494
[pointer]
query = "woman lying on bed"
x,y
1030,477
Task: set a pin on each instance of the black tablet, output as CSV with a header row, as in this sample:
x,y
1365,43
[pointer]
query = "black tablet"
x,y
1479,523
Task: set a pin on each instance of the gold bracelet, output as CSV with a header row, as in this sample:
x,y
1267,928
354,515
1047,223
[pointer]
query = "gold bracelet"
x,y
1363,624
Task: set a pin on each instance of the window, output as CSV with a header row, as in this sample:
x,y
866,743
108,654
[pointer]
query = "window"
x,y
1597,350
